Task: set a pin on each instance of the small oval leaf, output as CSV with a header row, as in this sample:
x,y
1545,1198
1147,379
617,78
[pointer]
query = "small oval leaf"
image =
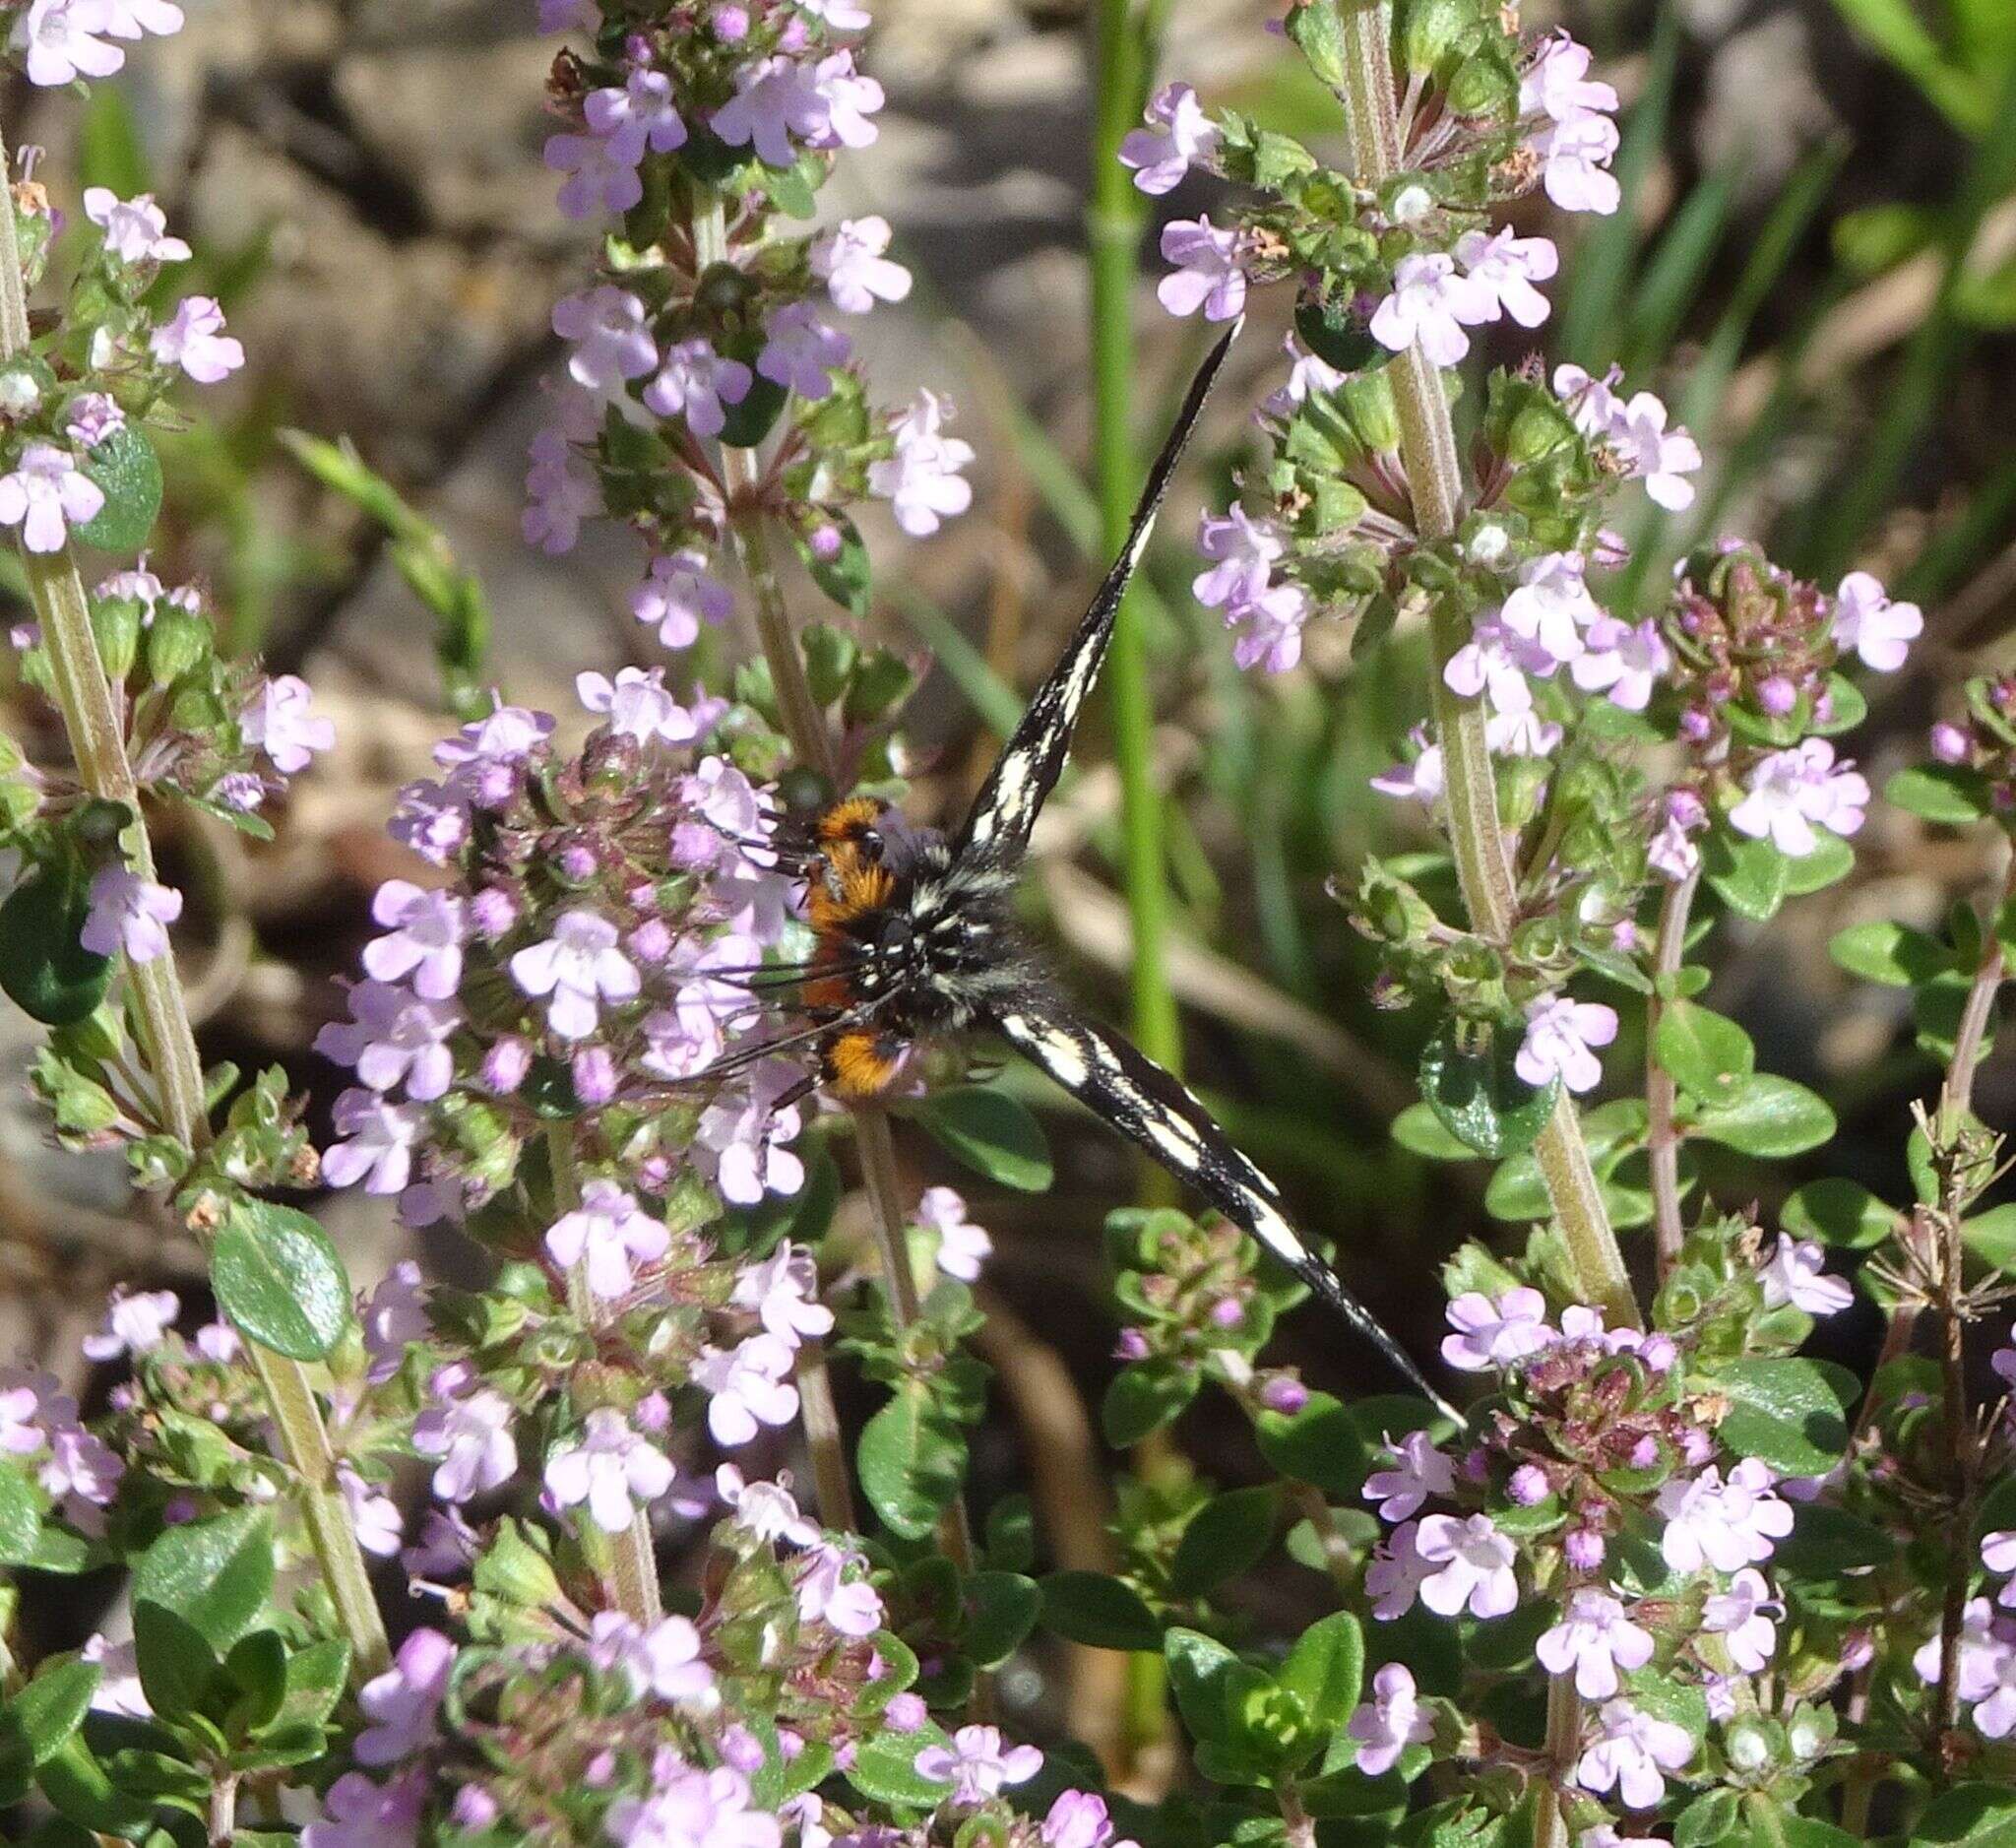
x,y
1480,1099
991,1134
279,1280
125,466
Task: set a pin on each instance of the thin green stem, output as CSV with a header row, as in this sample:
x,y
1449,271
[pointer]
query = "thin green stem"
x,y
1483,864
1662,1095
98,740
1113,233
627,1559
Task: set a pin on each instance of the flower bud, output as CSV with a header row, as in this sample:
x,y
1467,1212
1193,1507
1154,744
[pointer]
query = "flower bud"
x,y
115,622
1485,86
1318,33
1950,744
1430,31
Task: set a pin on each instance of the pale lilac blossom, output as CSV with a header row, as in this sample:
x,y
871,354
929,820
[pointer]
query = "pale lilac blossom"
x,y
1502,268
377,1142
746,1137
1661,458
605,1233
748,1387
830,1592
1559,1033
1471,1565
1308,376
1496,1333
639,114
1626,660
136,231
469,1436
1178,136
598,177
678,595
1742,1614
1629,1753
1796,1275
374,1515
1390,1722
92,416
576,969
561,492
62,40
853,261
393,1317
129,913
978,1765
693,1809
1209,273
1793,792
1868,623
1266,630
1416,779
767,1510
280,720
1550,607
801,349
1594,1639
1493,666
1395,1573
697,383
47,496
119,1689
1242,552
922,479
426,929
393,1037
638,705
663,1660
136,1323
402,1703
612,1468
783,1290
846,100
962,1247
1575,158
132,19
775,100
1727,1524
1079,1818
358,1814
1431,303
195,339
1418,1470
610,335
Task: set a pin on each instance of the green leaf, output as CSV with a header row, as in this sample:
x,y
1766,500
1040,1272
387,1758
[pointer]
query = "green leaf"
x,y
1480,1100
1949,794
316,1678
44,969
76,1784
1144,1397
991,1134
747,424
1320,1444
1831,860
1706,1821
1792,1414
21,1517
176,1664
1707,1054
1769,1117
110,149
1100,1612
1749,876
1228,1535
1326,1669
1826,1542
1420,1131
279,1280
1992,1237
126,467
1838,1212
912,1462
216,1574
1209,1683
885,1767
1001,1609
1969,1816
1893,954
34,1724
844,577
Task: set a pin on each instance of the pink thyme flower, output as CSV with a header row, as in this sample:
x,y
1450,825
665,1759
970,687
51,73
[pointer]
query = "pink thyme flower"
x,y
696,383
1997,1555
845,99
1079,1818
749,1387
1742,1614
118,1690
402,1704
1868,623
128,913
1390,1722
768,1511
1210,272
358,1814
1431,303
598,177
280,720
135,1323
1418,1471
1626,660
637,704
394,1317
1558,85
1395,1573
1493,665
679,594
775,100
393,1039
640,114
1595,1640
132,19
801,349
1243,552
92,416
561,490
47,496
852,260
1496,1333
1472,1565
784,1291
470,1435
136,229
373,1514
613,1468
1550,607
195,339
978,1765
962,1247
663,1660
1502,268
1416,779
425,934
1792,792
1559,1031
1659,457
828,1592
62,42
745,1138
1178,136
692,1809
577,967
377,1146
921,479
1267,629
1628,1754
1796,1275
1727,1525
607,1231
610,335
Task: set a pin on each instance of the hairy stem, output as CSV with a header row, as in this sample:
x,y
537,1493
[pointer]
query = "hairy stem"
x,y
1483,864
627,1560
1113,235
98,741
832,1491
1956,1094
1663,1140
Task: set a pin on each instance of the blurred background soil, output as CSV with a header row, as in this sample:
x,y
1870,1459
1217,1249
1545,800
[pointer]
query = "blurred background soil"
x,y
1815,264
